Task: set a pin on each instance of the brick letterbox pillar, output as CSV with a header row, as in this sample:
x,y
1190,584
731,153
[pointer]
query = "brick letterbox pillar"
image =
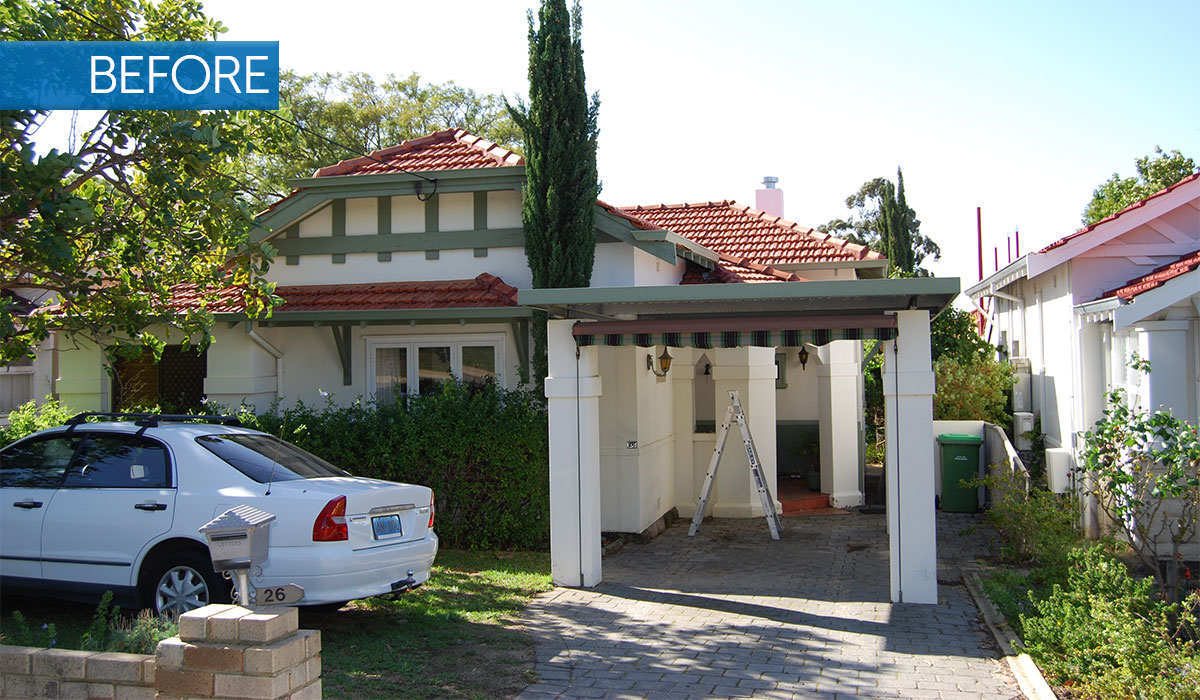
x,y
227,652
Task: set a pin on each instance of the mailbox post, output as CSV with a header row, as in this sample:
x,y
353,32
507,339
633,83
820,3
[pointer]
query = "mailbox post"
x,y
237,541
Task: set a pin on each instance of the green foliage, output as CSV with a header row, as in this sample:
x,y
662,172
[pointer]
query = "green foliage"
x,y
1108,634
22,635
483,451
884,222
973,388
345,115
144,201
1154,174
560,128
953,332
1146,474
109,630
28,418
1039,529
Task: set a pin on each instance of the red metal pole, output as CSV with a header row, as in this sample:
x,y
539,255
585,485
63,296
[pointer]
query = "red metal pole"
x,y
1018,234
996,255
979,238
1008,239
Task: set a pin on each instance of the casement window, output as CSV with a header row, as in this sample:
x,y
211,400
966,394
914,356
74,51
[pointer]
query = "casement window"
x,y
398,365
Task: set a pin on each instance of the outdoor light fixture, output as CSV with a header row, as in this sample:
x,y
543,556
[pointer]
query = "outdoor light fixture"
x,y
708,369
803,357
664,363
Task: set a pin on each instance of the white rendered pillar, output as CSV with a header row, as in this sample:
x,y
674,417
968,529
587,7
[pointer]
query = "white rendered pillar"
x,y
908,387
1164,345
750,371
840,373
573,403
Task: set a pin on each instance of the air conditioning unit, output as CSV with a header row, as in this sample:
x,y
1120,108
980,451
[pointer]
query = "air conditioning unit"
x,y
1022,424
1059,464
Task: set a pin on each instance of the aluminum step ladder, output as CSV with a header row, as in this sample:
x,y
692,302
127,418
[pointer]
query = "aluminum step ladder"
x,y
764,495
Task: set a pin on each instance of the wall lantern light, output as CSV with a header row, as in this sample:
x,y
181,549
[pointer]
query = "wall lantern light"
x,y
664,363
803,357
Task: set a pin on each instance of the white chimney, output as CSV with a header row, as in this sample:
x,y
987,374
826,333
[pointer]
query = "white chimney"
x,y
769,199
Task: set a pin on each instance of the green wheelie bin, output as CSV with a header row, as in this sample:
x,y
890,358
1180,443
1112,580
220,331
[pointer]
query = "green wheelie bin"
x,y
960,461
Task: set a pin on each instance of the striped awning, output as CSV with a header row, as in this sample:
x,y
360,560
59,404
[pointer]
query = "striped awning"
x,y
788,332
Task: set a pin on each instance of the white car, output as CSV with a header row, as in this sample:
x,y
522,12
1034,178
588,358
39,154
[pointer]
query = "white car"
x,y
90,507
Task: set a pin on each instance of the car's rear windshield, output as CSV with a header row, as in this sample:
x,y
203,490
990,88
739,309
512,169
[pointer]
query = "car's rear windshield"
x,y
266,458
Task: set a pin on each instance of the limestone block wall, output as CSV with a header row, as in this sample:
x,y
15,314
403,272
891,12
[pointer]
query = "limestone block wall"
x,y
50,674
223,652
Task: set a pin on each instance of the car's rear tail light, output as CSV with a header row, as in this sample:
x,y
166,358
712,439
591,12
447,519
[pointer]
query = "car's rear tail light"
x,y
432,510
331,523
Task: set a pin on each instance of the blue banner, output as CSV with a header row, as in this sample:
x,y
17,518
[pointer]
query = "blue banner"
x,y
139,75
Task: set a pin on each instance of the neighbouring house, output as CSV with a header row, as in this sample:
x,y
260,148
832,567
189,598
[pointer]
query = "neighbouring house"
x,y
1083,306
406,267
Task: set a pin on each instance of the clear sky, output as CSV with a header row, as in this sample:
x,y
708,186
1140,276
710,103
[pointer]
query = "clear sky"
x,y
1021,108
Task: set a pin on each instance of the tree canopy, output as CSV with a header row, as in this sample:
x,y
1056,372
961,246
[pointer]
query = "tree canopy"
x,y
1154,173
145,201
559,124
883,221
341,116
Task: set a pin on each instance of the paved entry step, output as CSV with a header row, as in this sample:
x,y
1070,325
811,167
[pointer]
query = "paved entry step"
x,y
795,496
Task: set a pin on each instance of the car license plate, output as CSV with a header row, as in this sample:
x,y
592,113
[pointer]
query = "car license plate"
x,y
386,525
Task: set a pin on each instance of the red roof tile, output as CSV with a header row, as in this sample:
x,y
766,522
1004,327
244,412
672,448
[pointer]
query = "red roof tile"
x,y
1136,205
482,292
733,270
1158,277
452,149
744,233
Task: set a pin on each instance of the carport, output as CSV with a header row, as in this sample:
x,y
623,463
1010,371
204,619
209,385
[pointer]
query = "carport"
x,y
766,316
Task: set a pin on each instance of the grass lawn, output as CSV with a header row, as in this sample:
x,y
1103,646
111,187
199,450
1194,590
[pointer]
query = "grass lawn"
x,y
455,637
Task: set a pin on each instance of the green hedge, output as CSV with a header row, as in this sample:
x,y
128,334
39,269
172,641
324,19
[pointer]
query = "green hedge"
x,y
483,450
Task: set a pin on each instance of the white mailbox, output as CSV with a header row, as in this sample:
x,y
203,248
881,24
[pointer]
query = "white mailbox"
x,y
238,538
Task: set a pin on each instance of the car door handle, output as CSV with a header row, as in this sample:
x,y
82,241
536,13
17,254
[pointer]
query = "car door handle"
x,y
28,504
150,506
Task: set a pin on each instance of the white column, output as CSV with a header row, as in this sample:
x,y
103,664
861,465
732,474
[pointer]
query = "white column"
x,y
840,374
908,408
1164,345
573,402
750,371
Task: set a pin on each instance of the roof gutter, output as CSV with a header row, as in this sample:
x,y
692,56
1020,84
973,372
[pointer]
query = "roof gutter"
x,y
1000,278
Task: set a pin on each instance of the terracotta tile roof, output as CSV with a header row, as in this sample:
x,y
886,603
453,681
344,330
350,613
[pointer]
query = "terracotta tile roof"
x,y
483,291
1136,205
636,221
749,234
734,270
1158,277
452,149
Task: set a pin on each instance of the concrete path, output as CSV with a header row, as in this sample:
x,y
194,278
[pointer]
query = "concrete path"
x,y
730,613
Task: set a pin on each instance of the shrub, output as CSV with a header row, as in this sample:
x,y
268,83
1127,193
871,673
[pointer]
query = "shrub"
x,y
28,418
483,450
1039,528
1108,634
972,388
110,631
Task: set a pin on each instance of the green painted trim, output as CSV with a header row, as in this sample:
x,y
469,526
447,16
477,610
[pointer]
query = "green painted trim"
x,y
481,175
341,338
491,314
621,229
481,252
828,289
292,233
691,248
433,254
799,423
448,240
339,217
520,330
383,215
432,212
481,211
384,256
337,258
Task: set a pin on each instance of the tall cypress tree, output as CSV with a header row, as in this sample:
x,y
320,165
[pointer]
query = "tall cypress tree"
x,y
902,237
559,124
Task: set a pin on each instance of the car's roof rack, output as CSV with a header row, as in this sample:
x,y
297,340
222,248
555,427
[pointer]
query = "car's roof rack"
x,y
151,420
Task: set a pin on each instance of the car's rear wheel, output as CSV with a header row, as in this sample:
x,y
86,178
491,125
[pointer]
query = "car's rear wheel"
x,y
183,581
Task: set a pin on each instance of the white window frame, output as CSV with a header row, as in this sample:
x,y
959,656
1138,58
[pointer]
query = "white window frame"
x,y
412,343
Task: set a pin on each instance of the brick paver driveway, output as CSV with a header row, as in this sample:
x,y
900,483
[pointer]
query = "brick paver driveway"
x,y
730,613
